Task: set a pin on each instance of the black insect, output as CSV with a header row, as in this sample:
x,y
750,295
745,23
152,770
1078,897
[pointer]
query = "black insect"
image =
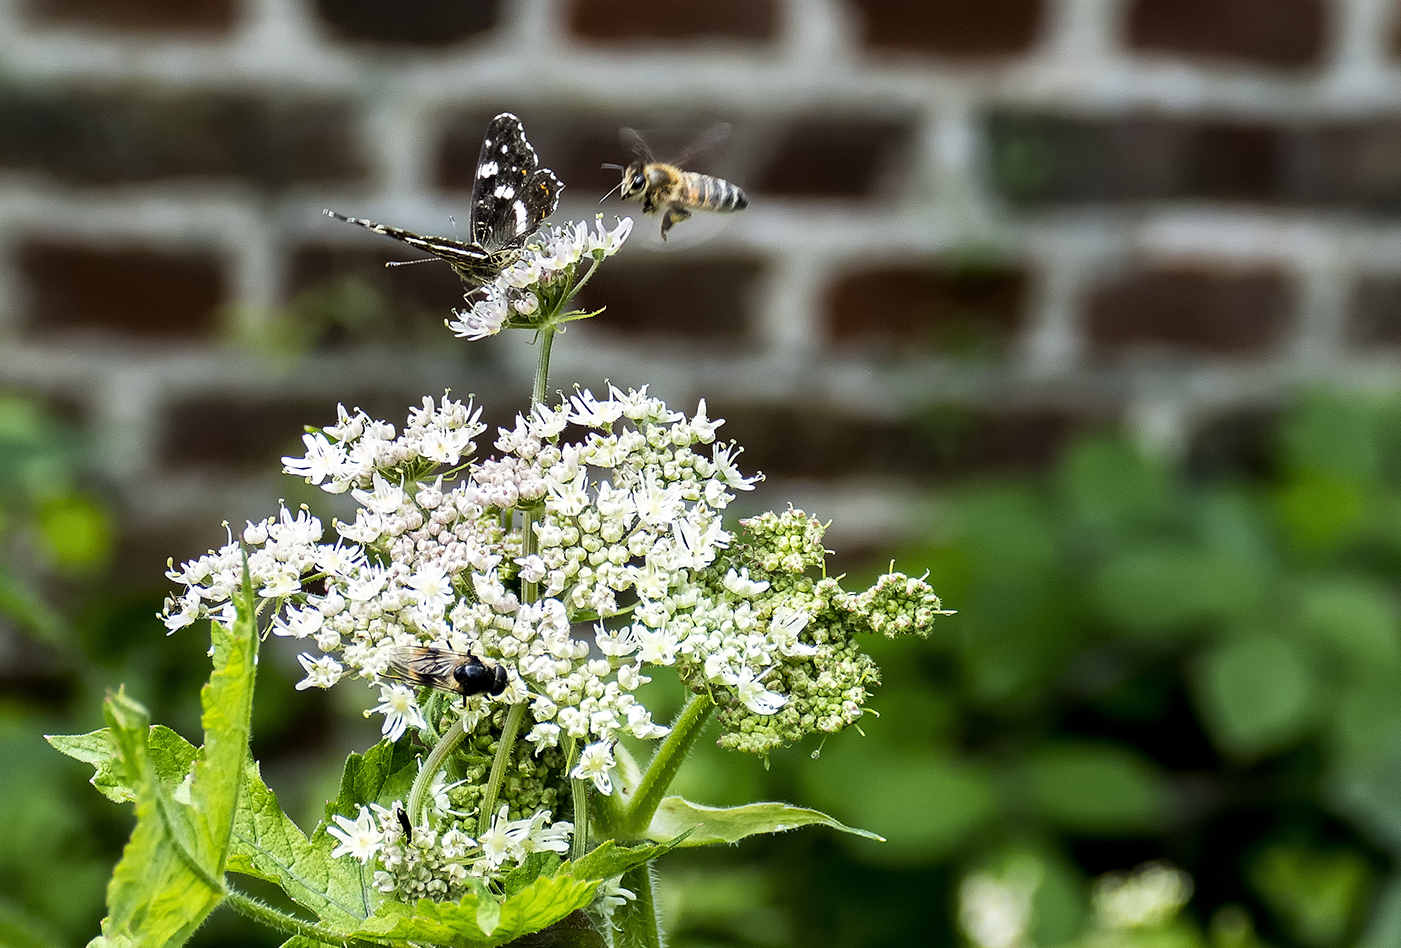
x,y
404,823
511,196
460,673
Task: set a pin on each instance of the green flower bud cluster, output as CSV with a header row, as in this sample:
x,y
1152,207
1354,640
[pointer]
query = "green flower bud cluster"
x,y
825,686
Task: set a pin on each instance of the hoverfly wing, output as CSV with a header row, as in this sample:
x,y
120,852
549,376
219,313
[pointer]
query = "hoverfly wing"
x,y
425,667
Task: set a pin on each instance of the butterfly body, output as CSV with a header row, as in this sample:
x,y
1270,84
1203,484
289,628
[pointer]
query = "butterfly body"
x,y
511,196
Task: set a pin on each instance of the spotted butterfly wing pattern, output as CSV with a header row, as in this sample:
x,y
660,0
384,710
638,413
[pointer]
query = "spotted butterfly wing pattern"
x,y
511,196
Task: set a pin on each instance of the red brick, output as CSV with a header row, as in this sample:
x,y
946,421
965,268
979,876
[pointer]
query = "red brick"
x,y
827,442
851,158
1056,158
129,292
972,309
1375,312
1269,32
670,21
693,298
1191,309
952,28
232,433
1354,165
348,295
113,136
425,23
136,15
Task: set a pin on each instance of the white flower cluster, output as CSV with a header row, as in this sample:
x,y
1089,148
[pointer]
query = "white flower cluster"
x,y
426,864
515,296
622,572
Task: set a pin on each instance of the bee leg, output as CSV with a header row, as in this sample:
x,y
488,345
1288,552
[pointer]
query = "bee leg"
x,y
674,215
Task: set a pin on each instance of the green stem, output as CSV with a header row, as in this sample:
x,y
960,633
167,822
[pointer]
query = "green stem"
x,y
505,752
542,368
637,921
662,768
251,907
435,761
579,791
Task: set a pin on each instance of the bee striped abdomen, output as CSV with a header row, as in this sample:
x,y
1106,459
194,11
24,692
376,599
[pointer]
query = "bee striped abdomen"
x,y
713,194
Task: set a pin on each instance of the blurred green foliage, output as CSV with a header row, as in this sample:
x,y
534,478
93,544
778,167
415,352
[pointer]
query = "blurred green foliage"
x,y
1145,665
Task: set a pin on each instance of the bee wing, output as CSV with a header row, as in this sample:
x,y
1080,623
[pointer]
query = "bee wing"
x,y
634,142
705,141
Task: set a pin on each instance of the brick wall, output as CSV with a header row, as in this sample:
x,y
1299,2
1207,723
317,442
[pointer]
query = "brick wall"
x,y
975,228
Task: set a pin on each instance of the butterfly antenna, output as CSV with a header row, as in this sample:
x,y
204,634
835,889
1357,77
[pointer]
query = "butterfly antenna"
x,y
405,263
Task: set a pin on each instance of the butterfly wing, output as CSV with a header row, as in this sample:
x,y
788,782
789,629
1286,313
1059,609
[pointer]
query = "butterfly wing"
x,y
512,195
472,263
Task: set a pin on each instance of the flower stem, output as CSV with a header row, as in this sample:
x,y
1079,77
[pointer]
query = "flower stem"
x,y
637,921
251,907
431,765
662,768
505,752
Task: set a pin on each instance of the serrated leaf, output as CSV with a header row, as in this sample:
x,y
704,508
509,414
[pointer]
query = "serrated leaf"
x,y
609,859
268,845
227,701
382,774
714,825
161,889
171,755
539,905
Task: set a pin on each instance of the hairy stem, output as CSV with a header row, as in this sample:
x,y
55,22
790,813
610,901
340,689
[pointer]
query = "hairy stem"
x,y
435,761
251,907
637,921
667,760
505,753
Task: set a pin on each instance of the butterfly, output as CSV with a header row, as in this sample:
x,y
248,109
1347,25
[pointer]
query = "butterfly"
x,y
511,196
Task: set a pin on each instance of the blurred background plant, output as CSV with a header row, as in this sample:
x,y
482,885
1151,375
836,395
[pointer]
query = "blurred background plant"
x,y
1148,663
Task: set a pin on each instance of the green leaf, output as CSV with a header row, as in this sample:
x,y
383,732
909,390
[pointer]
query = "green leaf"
x,y
539,905
77,531
171,755
1356,620
27,609
228,712
383,774
162,888
170,874
609,860
714,825
268,845
1104,789
924,804
1172,589
1257,693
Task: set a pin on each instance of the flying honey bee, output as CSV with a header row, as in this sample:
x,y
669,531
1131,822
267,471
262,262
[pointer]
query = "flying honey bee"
x,y
664,187
459,673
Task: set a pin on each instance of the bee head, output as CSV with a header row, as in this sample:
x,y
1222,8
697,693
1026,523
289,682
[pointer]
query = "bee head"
x,y
634,180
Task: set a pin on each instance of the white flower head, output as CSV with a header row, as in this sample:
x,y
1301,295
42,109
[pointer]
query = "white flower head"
x,y
360,837
400,709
